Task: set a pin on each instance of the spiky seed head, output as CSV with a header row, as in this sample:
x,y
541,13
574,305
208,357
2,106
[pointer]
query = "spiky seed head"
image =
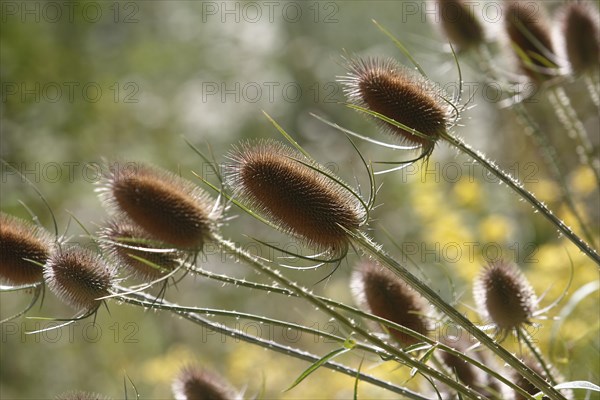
x,y
460,24
504,296
387,296
580,25
529,32
78,277
169,208
390,89
275,180
193,383
78,395
124,240
24,248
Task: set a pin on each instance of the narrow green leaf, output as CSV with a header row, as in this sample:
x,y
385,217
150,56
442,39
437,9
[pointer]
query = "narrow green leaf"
x,y
318,363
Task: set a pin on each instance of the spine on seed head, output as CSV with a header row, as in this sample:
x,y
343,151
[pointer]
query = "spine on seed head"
x,y
79,395
78,277
581,35
288,188
392,90
127,243
529,33
387,296
196,383
504,296
460,24
169,208
24,248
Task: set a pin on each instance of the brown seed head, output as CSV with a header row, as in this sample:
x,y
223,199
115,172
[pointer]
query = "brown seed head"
x,y
170,209
529,387
504,296
528,30
193,383
78,277
123,239
22,245
460,24
395,92
387,296
582,36
271,178
77,395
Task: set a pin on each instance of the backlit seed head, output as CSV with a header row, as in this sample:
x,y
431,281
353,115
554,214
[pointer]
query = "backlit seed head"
x,y
528,31
169,208
387,296
272,179
193,383
580,25
504,296
460,24
78,277
390,89
77,395
24,248
123,240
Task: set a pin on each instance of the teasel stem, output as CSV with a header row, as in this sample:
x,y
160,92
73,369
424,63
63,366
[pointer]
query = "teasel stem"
x,y
571,122
376,251
524,193
147,300
592,83
526,338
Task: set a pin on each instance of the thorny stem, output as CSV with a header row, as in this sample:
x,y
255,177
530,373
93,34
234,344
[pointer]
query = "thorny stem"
x,y
397,353
142,299
456,316
525,194
522,333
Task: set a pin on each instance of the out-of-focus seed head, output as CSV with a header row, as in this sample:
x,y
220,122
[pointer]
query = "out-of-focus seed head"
x,y
78,395
504,296
459,23
169,208
529,33
124,241
24,248
193,383
581,31
272,179
387,296
531,388
390,89
78,277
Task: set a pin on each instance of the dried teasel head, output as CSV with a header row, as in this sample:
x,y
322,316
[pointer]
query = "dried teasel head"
x,y
78,395
277,182
387,296
581,34
460,24
194,383
24,248
504,296
390,89
530,388
78,277
169,208
127,243
529,33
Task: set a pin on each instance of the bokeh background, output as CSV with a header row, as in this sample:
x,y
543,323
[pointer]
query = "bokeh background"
x,y
84,82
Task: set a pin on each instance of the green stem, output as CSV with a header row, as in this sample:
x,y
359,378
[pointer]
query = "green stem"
x,y
375,250
537,354
525,194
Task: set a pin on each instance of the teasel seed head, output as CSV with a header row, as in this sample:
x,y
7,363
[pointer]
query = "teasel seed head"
x,y
193,383
580,26
169,208
78,395
387,296
504,296
528,31
24,248
272,179
460,24
390,89
530,388
78,277
123,241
